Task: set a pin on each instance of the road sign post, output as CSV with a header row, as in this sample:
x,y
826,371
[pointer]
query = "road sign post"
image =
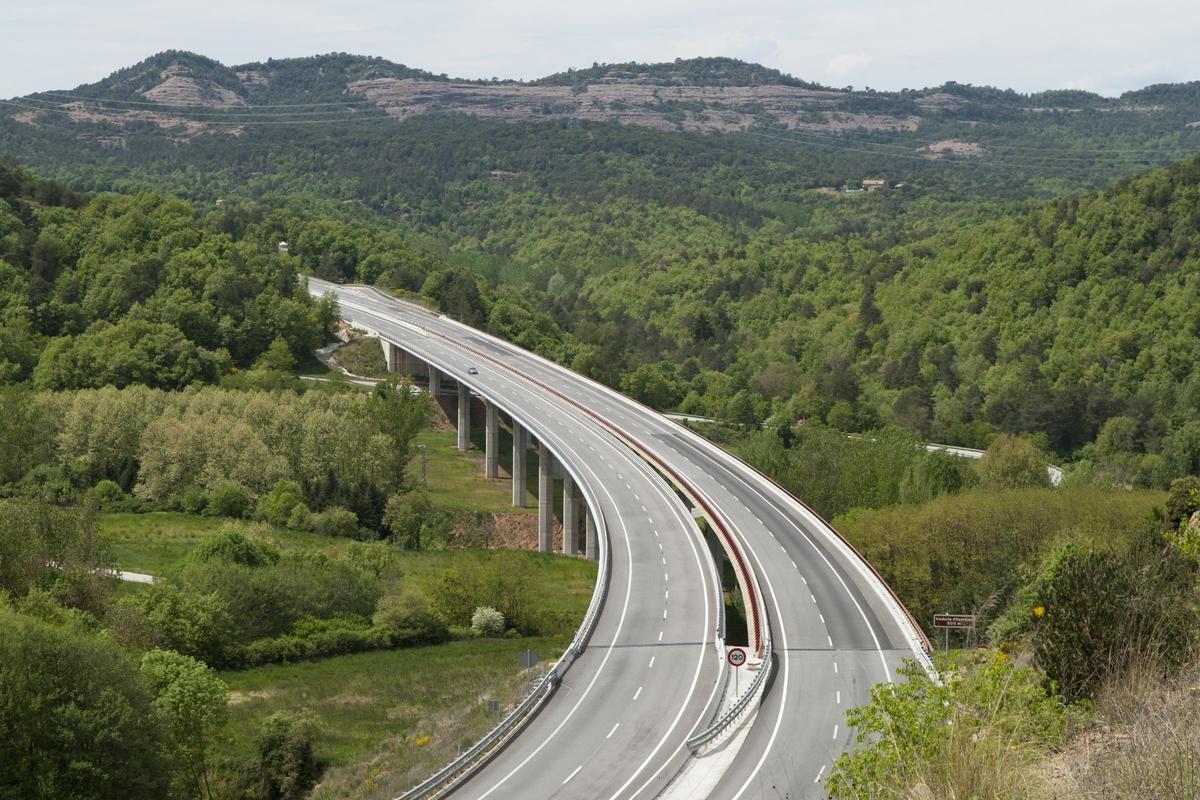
x,y
948,622
736,657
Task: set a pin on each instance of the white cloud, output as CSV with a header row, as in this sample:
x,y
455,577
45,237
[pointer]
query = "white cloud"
x,y
844,64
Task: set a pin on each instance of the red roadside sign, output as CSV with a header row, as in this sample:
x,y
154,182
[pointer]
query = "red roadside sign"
x,y
736,656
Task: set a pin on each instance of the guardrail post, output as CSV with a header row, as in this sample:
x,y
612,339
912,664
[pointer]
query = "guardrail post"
x,y
545,499
464,417
520,444
491,440
570,518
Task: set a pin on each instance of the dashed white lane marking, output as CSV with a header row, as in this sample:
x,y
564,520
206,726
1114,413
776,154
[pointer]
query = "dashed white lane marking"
x,y
664,613
664,562
794,565
830,639
614,730
835,669
574,772
835,731
660,633
638,693
664,577
651,662
839,693
803,578
822,616
820,772
660,547
814,597
667,594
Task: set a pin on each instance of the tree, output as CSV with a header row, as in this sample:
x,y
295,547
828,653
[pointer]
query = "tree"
x,y
287,766
75,721
189,701
1011,462
408,621
227,499
406,516
277,358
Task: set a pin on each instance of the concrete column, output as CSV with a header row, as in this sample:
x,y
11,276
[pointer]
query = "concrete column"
x,y
464,417
491,441
390,353
570,517
591,548
545,499
435,381
520,444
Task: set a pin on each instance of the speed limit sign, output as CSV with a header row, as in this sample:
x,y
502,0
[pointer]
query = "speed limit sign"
x,y
736,656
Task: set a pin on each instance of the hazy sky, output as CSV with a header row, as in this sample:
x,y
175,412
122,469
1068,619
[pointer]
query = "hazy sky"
x,y
1106,46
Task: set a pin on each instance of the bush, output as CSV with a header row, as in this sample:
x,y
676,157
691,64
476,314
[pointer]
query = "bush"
x,y
487,621
227,499
287,766
193,500
502,582
1011,462
111,497
1183,499
232,546
408,621
336,521
276,505
968,736
300,518
1093,614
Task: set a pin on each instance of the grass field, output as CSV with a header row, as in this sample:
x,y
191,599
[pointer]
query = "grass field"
x,y
455,480
153,542
374,709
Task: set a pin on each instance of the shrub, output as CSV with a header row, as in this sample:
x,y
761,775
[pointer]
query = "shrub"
x,y
487,621
227,499
336,521
110,496
300,518
1011,462
287,766
967,736
408,621
276,505
193,500
234,547
1183,499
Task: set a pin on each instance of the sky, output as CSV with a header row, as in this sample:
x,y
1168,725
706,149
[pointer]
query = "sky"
x,y
1105,46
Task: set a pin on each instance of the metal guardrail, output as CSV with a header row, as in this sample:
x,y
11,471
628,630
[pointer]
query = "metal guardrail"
x,y
475,756
734,713
462,766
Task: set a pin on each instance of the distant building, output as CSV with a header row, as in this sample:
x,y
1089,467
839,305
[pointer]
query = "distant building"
x,y
283,247
874,184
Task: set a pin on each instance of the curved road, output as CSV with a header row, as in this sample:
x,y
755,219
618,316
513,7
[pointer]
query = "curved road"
x,y
836,631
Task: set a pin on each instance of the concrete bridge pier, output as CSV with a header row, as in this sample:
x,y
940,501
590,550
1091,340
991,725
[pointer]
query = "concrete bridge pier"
x,y
491,439
391,355
545,499
464,417
570,517
520,444
435,381
591,547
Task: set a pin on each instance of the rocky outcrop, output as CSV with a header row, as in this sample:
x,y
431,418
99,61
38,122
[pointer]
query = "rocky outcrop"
x,y
695,108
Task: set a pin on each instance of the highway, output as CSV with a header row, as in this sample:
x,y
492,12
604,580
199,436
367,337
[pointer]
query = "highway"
x,y
836,632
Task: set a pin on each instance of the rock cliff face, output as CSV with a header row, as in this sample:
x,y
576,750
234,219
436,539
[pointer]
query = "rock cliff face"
x,y
696,108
